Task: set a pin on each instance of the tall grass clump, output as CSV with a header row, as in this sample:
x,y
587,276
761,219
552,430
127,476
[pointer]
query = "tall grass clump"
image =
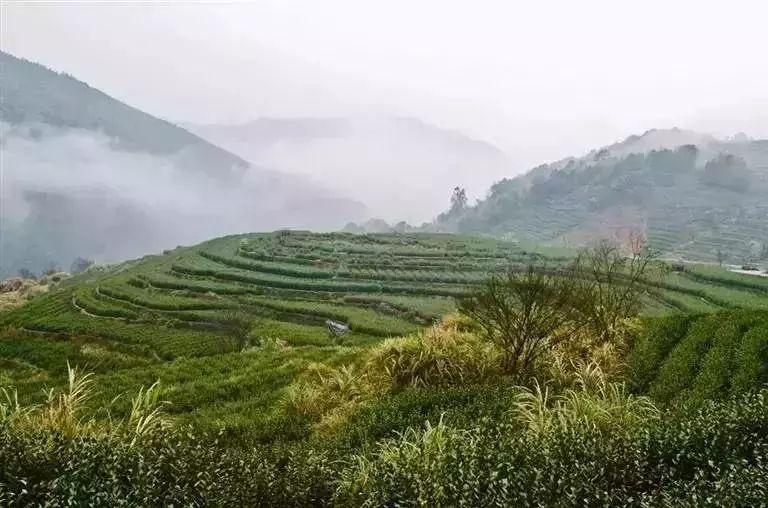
x,y
595,404
66,412
441,356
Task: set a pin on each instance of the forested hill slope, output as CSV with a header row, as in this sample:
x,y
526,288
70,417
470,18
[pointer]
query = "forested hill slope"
x,y
694,197
32,93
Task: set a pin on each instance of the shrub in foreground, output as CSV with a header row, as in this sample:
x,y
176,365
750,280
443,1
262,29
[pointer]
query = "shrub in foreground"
x,y
442,356
715,454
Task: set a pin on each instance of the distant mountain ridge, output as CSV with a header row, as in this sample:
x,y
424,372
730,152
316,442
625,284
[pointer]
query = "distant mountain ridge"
x,y
401,167
694,196
268,130
31,93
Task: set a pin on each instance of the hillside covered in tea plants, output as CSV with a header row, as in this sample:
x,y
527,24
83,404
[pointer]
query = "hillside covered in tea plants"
x,y
207,375
693,196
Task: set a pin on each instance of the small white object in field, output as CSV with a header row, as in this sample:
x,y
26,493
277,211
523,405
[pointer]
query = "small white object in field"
x,y
336,328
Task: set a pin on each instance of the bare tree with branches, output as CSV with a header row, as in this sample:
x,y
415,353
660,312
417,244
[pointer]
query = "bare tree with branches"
x,y
612,283
525,314
528,314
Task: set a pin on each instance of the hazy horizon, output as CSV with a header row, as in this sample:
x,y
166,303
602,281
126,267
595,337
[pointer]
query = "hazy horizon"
x,y
380,110
540,81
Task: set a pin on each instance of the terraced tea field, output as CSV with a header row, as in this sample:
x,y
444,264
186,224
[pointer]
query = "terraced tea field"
x,y
706,356
161,317
688,233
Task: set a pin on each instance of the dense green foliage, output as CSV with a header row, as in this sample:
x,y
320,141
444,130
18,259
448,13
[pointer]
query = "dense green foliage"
x,y
710,455
671,411
703,202
701,357
147,312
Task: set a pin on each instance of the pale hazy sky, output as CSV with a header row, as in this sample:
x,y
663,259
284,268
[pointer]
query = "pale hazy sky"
x,y
542,79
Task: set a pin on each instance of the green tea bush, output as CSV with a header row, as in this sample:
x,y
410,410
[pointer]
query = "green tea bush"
x,y
722,277
596,447
194,286
684,361
717,367
460,406
310,273
700,356
264,256
714,455
43,353
751,360
84,299
287,283
171,469
649,350
161,301
33,359
282,282
296,421
365,321
704,295
711,455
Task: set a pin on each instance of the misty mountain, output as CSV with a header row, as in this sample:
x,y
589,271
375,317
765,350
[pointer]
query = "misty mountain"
x,y
85,175
401,167
33,94
693,196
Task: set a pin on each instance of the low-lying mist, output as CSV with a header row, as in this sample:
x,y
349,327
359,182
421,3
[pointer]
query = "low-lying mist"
x,y
401,167
70,193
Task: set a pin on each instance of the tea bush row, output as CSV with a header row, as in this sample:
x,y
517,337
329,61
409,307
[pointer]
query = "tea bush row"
x,y
712,455
701,356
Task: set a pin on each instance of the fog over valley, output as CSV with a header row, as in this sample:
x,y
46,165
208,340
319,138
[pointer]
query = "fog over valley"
x,y
368,158
191,121
84,175
71,192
